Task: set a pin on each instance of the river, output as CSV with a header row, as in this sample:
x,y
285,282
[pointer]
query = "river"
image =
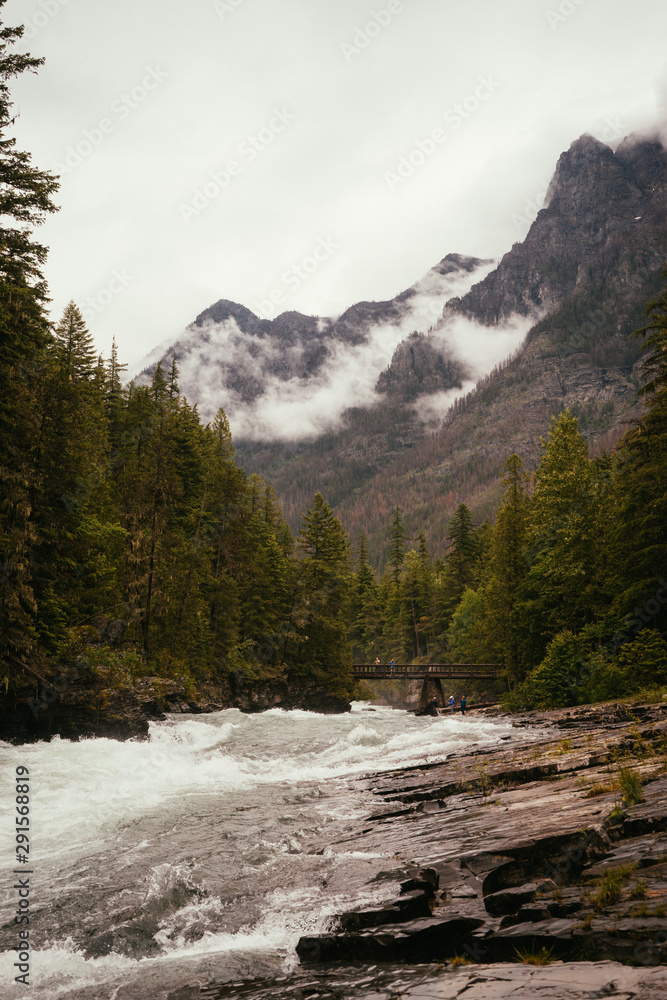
x,y
202,854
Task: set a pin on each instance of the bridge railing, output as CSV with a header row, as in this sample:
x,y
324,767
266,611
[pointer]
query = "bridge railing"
x,y
421,670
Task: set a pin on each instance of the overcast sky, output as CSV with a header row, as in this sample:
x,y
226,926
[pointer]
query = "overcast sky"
x,y
209,147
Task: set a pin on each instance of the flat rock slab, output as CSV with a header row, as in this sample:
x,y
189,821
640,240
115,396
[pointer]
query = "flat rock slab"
x,y
560,981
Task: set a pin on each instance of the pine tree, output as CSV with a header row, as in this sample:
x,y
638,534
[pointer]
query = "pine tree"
x,y
172,380
364,611
397,545
223,434
638,525
115,397
25,192
508,566
464,548
25,199
79,537
558,592
420,591
76,351
325,580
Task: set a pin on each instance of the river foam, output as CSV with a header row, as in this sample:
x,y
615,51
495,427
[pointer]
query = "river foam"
x,y
215,837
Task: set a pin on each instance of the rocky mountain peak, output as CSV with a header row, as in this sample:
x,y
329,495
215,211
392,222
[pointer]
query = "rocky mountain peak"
x,y
645,162
458,262
585,173
224,310
588,229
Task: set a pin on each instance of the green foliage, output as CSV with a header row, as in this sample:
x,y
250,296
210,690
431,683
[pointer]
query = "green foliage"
x,y
559,591
508,568
639,890
555,682
25,200
638,535
610,886
470,639
644,660
324,584
630,783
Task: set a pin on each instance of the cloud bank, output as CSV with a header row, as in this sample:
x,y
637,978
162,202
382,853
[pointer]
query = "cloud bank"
x,y
295,382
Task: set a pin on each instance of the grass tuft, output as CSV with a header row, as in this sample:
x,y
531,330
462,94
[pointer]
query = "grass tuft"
x,y
598,789
611,886
544,956
630,783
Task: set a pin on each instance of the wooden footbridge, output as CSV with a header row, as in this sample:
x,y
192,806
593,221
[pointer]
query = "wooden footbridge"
x,y
422,671
431,674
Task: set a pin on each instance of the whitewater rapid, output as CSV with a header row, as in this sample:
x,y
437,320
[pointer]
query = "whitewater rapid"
x,y
203,853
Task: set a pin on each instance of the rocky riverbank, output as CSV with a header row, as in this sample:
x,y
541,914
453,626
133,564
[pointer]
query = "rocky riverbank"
x,y
537,867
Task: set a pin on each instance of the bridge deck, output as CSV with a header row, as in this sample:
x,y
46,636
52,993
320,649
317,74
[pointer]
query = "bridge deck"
x,y
419,671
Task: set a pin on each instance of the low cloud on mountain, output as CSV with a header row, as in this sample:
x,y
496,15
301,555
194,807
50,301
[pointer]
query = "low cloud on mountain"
x,y
295,380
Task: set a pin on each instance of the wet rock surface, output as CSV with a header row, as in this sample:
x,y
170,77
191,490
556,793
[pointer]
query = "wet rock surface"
x,y
560,981
548,849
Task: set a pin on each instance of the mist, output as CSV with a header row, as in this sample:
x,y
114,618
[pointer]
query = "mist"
x,y
272,390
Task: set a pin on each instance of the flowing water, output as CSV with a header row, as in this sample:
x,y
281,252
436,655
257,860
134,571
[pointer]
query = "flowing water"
x,y
203,853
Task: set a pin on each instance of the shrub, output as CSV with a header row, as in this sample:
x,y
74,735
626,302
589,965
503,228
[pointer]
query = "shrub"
x,y
554,683
644,661
606,681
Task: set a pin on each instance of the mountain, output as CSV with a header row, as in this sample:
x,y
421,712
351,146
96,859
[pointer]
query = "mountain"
x,y
292,377
380,406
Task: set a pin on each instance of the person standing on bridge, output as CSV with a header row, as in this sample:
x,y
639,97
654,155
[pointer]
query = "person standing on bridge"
x,y
392,666
377,663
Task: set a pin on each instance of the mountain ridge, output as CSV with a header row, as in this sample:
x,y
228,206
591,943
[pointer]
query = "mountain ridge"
x,y
575,286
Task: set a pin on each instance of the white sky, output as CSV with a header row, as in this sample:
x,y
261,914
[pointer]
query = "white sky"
x,y
219,72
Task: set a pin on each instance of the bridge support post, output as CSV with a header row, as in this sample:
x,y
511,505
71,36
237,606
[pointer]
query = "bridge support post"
x,y
431,688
